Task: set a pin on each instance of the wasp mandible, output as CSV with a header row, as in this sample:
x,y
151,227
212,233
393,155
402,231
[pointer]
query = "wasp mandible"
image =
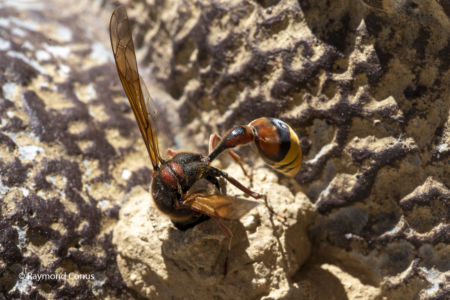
x,y
186,187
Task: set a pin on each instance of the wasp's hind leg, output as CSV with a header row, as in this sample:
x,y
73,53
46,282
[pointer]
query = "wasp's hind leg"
x,y
214,139
216,172
171,152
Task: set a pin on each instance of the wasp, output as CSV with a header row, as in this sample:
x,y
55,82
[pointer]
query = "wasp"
x,y
186,187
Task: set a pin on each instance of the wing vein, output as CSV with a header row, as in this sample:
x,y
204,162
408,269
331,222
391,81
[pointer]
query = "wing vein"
x,y
126,63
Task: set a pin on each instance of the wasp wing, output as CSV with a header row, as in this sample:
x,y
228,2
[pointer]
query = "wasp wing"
x,y
220,206
125,57
151,112
204,197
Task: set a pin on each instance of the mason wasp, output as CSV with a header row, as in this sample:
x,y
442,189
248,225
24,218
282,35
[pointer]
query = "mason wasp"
x,y
186,187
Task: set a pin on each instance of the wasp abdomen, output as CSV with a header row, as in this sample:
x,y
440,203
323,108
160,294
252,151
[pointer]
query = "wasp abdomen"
x,y
276,142
278,145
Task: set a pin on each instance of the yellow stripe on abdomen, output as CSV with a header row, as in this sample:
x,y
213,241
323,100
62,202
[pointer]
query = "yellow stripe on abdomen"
x,y
291,163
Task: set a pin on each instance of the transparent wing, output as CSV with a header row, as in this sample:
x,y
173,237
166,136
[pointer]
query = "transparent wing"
x,y
151,109
220,206
137,93
203,197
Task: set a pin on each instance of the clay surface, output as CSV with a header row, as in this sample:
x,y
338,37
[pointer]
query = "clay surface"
x,y
365,84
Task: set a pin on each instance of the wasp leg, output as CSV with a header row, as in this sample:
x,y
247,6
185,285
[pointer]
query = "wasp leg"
x,y
171,152
213,139
282,219
233,181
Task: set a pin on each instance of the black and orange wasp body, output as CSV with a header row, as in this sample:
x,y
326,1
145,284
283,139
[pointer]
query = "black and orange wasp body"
x,y
186,187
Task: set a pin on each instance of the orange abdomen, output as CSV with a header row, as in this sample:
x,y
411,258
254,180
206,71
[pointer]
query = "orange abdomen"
x,y
278,145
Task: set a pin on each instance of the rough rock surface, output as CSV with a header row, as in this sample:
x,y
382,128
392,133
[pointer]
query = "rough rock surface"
x,y
66,136
162,262
365,84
